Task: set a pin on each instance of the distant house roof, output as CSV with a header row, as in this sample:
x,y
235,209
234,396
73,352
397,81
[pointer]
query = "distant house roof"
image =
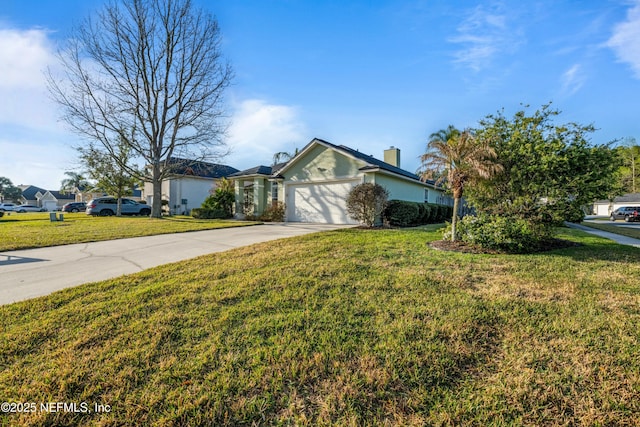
x,y
260,170
201,169
625,198
62,196
29,191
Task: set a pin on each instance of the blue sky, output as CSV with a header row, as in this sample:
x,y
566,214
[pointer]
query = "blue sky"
x,y
367,74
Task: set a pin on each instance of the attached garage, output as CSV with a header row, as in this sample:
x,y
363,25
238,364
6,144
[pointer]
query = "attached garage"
x,y
319,202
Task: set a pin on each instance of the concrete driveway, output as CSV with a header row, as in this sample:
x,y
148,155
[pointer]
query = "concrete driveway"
x,y
31,273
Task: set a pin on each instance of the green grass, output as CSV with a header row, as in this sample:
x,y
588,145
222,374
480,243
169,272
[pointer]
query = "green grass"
x,y
352,327
623,231
34,230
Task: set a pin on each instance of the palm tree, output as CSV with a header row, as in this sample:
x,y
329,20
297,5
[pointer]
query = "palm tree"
x,y
459,158
75,181
284,156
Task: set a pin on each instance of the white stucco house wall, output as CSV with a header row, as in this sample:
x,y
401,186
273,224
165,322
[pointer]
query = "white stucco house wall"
x,y
189,185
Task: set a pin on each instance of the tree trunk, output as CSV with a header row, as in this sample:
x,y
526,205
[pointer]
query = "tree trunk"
x,y
156,205
119,205
454,218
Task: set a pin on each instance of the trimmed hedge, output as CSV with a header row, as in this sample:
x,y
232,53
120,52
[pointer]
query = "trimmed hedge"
x,y
400,213
207,213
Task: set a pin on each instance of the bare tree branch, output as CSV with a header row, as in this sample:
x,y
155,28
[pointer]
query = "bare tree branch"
x,y
151,73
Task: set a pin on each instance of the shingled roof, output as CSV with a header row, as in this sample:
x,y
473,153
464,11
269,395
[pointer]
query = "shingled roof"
x,y
260,170
626,198
198,168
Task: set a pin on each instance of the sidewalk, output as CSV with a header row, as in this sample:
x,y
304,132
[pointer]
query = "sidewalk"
x,y
623,240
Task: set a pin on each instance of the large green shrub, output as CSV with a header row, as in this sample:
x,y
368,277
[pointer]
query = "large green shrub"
x,y
509,234
223,198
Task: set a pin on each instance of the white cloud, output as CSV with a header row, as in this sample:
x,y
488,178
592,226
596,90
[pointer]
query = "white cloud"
x,y
259,130
625,40
34,147
483,35
572,80
24,55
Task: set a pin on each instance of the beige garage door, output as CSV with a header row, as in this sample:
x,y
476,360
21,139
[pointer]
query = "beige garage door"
x,y
319,203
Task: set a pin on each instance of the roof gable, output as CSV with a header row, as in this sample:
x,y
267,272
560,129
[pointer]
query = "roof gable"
x,y
370,163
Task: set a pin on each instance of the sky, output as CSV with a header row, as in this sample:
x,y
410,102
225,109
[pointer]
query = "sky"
x,y
366,74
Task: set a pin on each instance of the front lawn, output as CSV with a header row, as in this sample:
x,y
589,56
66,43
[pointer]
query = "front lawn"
x,y
34,230
352,327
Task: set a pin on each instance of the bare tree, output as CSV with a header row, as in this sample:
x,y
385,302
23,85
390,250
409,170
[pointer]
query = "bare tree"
x,y
151,73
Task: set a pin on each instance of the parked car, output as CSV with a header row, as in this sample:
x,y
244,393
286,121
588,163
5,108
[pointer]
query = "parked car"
x,y
107,206
628,213
29,208
4,207
74,207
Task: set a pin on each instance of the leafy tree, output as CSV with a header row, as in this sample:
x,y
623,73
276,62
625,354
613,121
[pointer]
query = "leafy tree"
x,y
548,171
74,181
154,68
8,191
366,202
462,159
628,172
113,177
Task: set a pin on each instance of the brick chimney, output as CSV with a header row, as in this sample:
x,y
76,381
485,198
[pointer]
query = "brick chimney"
x,y
392,156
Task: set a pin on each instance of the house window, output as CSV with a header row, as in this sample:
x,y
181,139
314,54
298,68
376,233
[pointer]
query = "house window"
x,y
248,200
426,195
274,192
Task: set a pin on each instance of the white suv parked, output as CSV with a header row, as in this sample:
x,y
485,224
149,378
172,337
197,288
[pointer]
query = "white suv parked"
x,y
107,206
7,207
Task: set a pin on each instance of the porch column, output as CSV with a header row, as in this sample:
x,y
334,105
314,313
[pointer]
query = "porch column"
x,y
259,196
238,189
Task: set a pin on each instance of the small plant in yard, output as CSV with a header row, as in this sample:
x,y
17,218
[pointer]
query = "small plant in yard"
x,y
366,202
275,212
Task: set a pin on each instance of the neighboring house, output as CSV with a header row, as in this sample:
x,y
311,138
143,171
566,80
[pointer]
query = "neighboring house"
x,y
49,199
605,207
314,184
189,185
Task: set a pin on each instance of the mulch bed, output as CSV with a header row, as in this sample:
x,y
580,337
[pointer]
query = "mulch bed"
x,y
458,246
